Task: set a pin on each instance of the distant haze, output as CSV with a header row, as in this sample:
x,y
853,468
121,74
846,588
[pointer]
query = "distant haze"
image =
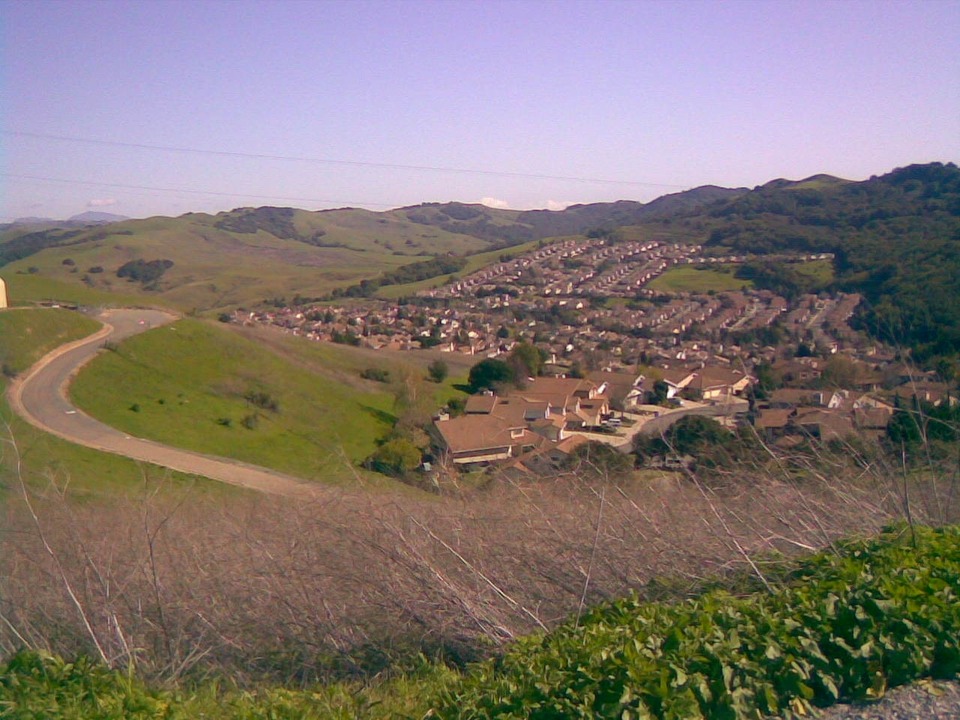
x,y
163,108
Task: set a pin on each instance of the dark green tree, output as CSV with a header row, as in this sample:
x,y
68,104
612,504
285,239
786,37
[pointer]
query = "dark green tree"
x,y
489,374
525,360
438,371
395,458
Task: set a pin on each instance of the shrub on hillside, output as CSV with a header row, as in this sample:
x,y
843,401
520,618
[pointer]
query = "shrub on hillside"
x,y
395,457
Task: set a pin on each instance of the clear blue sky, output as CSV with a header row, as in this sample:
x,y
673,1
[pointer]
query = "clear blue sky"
x,y
657,96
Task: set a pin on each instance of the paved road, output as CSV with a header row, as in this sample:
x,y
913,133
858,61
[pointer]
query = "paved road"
x,y
657,426
40,397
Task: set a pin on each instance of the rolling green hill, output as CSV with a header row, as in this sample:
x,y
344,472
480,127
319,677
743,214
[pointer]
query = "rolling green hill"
x,y
44,460
283,403
895,239
250,254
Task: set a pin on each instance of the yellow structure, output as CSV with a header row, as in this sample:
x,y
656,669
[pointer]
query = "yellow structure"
x,y
3,294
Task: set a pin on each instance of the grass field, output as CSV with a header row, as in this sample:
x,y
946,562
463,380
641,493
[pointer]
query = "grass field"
x,y
25,336
346,362
820,271
215,268
190,384
692,278
27,289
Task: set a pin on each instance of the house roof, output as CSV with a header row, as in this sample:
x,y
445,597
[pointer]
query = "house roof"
x,y
773,418
716,376
678,377
829,424
796,396
619,384
482,404
472,433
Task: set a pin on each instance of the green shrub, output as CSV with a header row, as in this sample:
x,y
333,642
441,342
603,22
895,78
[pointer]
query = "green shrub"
x,y
846,626
395,457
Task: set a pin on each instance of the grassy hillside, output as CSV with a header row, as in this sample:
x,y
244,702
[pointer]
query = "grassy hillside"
x,y
24,288
303,411
211,267
25,336
246,255
693,278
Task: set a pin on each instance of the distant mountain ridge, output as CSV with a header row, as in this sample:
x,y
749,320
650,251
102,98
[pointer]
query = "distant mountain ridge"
x,y
97,217
895,238
91,217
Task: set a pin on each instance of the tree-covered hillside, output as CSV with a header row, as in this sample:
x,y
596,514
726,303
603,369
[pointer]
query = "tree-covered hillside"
x,y
896,240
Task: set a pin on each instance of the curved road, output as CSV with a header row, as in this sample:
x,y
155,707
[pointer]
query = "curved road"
x,y
40,398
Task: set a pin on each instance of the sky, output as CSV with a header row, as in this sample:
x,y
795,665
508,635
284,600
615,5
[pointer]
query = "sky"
x,y
162,107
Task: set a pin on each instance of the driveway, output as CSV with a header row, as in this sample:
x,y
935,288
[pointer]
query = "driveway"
x,y
40,398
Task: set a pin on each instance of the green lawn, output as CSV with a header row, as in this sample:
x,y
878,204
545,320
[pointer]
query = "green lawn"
x,y
26,335
187,385
24,289
694,278
821,271
345,362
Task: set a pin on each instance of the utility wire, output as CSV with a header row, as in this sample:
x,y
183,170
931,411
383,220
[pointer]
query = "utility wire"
x,y
191,192
332,161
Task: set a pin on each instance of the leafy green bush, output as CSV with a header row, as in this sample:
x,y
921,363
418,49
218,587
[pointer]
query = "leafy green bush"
x,y
376,374
395,457
35,686
846,626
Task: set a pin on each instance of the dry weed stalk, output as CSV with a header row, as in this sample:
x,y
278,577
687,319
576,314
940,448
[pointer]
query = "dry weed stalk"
x,y
266,586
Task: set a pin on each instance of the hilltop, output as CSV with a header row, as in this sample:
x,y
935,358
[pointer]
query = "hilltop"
x,y
248,254
894,239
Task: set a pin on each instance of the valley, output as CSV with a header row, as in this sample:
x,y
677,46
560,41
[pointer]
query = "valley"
x,y
747,406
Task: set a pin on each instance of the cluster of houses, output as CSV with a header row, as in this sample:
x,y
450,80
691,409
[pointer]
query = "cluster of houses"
x,y
667,347
580,267
537,427
682,326
548,414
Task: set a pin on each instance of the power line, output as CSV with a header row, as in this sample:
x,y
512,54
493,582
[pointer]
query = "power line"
x,y
332,161
189,192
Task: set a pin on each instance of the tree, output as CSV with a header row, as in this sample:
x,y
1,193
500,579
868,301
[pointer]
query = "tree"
x,y
395,458
693,433
660,392
438,371
696,435
599,458
489,374
839,372
525,360
768,380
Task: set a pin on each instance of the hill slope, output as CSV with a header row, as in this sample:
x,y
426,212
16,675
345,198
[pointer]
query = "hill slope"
x,y
896,239
249,254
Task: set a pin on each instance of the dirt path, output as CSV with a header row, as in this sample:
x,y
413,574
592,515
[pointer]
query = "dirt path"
x,y
40,398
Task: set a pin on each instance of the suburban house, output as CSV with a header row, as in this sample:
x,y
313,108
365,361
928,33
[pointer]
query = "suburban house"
x,y
495,428
622,388
485,437
714,382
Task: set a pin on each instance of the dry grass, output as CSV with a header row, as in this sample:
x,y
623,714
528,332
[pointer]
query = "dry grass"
x,y
263,587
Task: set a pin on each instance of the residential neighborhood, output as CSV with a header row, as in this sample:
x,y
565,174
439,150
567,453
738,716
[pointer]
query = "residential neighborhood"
x,y
621,358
